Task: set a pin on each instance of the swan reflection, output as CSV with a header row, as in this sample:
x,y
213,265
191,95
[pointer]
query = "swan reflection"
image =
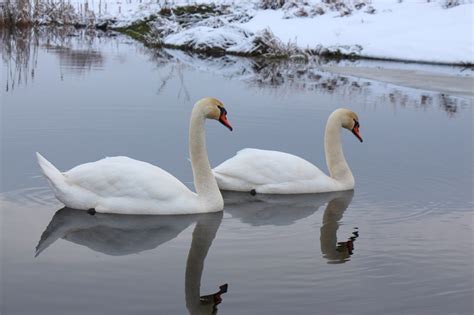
x,y
332,250
203,235
280,210
115,234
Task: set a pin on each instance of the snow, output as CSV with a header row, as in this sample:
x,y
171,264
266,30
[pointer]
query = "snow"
x,y
125,12
415,30
205,37
408,31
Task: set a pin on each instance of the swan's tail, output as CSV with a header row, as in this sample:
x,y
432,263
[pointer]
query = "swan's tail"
x,y
54,176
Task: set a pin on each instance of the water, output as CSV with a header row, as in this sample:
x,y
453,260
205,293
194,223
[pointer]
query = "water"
x,y
401,243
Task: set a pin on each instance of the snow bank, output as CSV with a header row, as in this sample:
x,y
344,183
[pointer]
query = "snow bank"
x,y
207,38
437,31
415,31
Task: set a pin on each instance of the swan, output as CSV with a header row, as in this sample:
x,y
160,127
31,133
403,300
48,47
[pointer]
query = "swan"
x,y
126,186
273,172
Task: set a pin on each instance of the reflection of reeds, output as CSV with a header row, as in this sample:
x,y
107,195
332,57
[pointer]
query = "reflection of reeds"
x,y
19,54
19,49
285,77
293,76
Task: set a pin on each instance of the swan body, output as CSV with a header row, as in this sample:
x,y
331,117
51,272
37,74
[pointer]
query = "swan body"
x,y
127,186
119,184
273,172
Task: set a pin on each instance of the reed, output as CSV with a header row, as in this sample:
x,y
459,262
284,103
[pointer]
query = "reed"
x,y
27,13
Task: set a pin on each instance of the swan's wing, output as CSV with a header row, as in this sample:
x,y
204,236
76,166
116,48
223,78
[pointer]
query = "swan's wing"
x,y
253,167
126,178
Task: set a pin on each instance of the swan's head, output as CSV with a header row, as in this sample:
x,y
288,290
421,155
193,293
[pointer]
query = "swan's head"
x,y
350,121
212,108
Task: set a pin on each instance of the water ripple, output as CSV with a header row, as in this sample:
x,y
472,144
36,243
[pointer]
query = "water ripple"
x,y
32,196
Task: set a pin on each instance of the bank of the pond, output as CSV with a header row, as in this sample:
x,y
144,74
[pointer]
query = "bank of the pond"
x,y
454,83
438,32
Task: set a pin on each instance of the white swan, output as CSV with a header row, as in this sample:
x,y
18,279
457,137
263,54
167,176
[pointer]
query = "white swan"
x,y
127,186
273,172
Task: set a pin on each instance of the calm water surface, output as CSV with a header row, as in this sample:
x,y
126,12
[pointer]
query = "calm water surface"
x,y
401,243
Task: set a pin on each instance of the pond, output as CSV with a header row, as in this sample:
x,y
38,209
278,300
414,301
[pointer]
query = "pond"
x,y
400,243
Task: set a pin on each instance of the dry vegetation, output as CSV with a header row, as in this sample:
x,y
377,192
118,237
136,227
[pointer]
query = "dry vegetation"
x,y
26,13
304,8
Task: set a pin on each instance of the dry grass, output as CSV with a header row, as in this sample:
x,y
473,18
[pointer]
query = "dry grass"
x,y
25,13
267,44
271,4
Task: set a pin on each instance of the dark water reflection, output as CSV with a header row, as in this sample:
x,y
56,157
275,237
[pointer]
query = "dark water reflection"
x,y
281,210
115,235
290,76
119,235
76,53
20,51
127,234
77,60
390,247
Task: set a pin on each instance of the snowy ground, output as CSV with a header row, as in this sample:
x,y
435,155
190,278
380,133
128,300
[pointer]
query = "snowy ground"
x,y
416,31
408,30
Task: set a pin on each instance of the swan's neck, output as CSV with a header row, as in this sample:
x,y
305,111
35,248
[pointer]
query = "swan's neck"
x,y
336,162
206,186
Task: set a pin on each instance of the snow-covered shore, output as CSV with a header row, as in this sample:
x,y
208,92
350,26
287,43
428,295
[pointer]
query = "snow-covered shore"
x,y
414,31
436,31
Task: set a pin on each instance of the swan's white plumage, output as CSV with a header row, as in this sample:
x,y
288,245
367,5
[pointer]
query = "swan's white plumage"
x,y
127,186
271,172
121,185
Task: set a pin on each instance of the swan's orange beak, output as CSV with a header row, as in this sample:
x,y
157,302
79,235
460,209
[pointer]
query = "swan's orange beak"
x,y
356,132
223,118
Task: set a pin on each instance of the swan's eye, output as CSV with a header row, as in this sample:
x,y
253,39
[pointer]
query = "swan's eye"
x,y
356,124
355,130
223,111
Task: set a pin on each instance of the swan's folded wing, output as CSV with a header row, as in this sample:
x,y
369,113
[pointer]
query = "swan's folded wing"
x,y
125,177
262,167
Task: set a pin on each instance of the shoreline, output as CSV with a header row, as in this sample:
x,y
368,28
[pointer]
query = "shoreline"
x,y
461,86
454,80
302,56
300,31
